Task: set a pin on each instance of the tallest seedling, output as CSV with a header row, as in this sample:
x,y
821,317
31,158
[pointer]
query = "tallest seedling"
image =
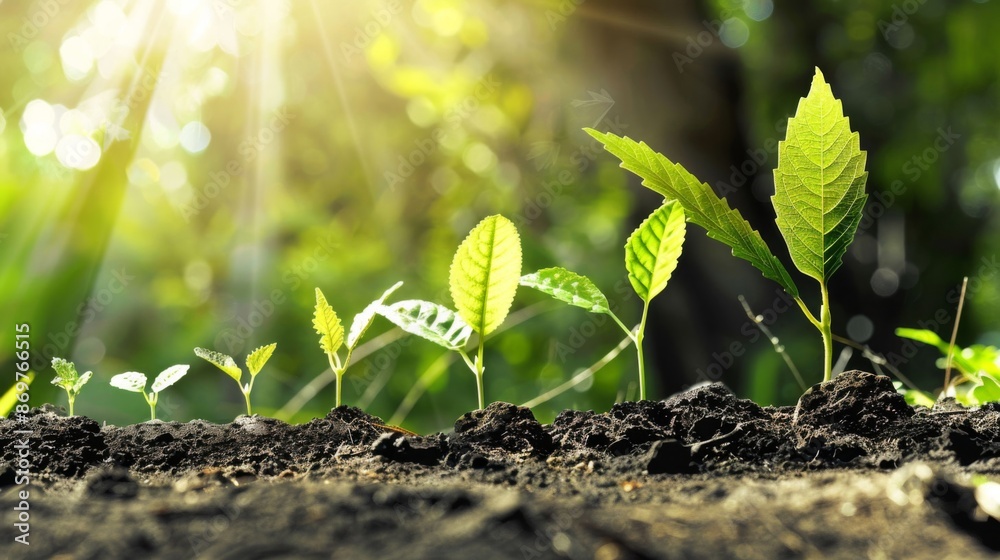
x,y
818,199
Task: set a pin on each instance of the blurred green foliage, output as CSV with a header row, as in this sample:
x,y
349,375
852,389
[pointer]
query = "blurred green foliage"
x,y
252,151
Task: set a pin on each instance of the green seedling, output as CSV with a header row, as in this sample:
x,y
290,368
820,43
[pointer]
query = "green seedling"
x,y
69,379
255,363
978,366
483,280
136,382
819,198
651,255
331,331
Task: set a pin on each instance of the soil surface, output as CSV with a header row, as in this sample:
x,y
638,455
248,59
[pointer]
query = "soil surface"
x,y
852,471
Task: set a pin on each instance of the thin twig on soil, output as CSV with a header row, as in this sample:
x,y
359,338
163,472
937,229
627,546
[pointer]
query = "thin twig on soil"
x,y
954,334
580,377
759,321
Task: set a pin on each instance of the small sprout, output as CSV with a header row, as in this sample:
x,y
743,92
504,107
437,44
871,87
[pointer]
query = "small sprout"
x,y
651,256
136,382
69,379
255,363
331,331
483,280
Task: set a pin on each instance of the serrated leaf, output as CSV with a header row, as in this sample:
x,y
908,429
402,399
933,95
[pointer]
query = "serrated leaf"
x,y
568,287
430,321
819,185
328,325
485,273
986,390
226,363
168,377
701,205
130,381
364,319
259,357
652,250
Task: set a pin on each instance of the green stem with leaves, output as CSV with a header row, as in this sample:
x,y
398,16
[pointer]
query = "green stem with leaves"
x,y
825,329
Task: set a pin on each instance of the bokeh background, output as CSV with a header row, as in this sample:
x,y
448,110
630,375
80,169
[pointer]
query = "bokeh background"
x,y
184,173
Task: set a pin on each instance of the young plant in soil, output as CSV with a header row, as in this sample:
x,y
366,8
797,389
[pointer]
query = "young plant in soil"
x,y
819,197
979,366
651,255
255,363
69,379
331,331
483,280
136,382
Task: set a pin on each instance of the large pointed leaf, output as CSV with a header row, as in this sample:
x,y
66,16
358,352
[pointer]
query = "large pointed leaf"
x,y
569,287
485,273
259,357
226,363
364,319
168,377
701,205
819,185
130,381
652,250
430,321
328,325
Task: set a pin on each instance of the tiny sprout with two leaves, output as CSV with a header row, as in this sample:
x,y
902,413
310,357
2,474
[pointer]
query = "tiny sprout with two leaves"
x,y
136,382
255,363
331,331
483,280
651,255
69,379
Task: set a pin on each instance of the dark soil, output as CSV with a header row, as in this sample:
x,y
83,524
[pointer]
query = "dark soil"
x,y
851,472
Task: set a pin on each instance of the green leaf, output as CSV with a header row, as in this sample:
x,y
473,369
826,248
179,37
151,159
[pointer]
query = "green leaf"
x,y
168,377
568,287
652,250
986,390
259,357
364,319
66,375
130,381
819,185
430,321
328,325
82,381
925,336
485,273
701,205
226,363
